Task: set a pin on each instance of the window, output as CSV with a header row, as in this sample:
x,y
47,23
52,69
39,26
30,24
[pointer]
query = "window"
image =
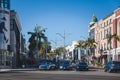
x,y
110,21
1,5
104,24
104,46
107,23
105,33
5,4
101,25
119,28
101,34
109,30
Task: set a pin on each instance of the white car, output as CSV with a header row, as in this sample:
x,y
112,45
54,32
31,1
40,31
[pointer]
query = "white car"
x,y
47,66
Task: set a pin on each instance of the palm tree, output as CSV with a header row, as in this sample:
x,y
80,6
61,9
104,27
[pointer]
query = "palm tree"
x,y
58,51
80,44
36,39
91,44
51,54
46,47
115,37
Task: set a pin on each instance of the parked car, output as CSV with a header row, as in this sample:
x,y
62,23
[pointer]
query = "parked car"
x,y
65,65
112,66
47,66
81,66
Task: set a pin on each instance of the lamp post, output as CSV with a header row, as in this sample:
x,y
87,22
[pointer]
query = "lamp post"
x,y
63,36
64,39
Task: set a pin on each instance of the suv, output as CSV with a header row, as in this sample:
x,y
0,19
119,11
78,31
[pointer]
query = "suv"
x,y
112,66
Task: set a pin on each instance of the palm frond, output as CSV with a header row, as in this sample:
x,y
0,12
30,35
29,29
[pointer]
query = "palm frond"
x,y
79,44
115,36
109,38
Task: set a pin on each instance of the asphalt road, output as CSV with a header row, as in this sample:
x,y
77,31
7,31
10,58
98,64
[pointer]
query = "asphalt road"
x,y
59,75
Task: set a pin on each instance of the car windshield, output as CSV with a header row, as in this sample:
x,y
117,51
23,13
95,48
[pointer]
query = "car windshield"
x,y
82,63
65,62
116,62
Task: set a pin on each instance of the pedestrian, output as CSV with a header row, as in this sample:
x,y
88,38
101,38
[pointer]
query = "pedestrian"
x,y
73,65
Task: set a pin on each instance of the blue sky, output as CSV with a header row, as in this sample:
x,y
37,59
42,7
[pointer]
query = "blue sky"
x,y
59,16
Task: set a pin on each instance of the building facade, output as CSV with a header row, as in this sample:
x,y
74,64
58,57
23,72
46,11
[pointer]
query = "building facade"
x,y
73,53
5,56
15,37
10,36
109,25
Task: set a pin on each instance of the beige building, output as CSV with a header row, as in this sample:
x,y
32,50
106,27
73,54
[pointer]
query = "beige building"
x,y
99,30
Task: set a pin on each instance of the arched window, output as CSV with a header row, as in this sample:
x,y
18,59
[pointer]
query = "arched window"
x,y
119,27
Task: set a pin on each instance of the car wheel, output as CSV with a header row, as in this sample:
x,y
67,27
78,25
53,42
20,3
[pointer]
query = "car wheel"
x,y
116,71
109,70
77,69
52,68
105,70
87,69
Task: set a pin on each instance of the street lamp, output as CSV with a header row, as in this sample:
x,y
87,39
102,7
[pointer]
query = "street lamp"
x,y
64,38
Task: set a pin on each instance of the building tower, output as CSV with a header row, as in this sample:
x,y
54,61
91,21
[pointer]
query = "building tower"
x,y
92,27
5,4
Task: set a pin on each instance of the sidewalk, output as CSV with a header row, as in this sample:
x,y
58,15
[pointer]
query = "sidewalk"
x,y
21,69
5,70
95,67
35,69
24,69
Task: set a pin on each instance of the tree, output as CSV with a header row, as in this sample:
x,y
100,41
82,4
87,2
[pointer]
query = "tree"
x,y
35,40
80,44
59,50
91,44
115,37
46,47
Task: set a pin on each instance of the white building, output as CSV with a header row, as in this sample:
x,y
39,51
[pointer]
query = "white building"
x,y
73,53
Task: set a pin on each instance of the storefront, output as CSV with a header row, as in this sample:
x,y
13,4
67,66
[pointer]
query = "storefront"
x,y
119,57
5,59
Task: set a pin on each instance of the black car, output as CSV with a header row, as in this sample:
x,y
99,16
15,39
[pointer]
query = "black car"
x,y
81,66
112,66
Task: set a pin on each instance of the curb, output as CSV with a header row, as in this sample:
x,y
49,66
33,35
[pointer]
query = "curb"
x,y
94,67
23,69
5,70
12,70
